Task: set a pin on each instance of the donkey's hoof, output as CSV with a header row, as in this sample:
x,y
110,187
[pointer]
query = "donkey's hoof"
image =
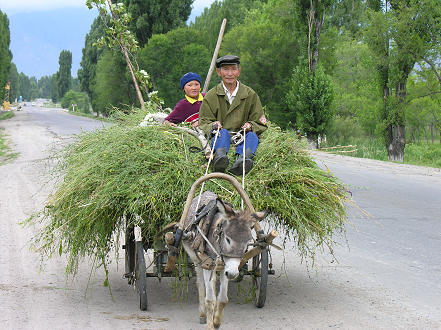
x,y
203,320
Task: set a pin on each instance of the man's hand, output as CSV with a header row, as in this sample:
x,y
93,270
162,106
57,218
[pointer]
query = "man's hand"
x,y
247,127
217,125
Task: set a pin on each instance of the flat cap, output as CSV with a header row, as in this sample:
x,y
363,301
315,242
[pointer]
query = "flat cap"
x,y
227,60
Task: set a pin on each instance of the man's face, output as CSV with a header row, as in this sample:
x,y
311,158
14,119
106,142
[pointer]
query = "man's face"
x,y
229,73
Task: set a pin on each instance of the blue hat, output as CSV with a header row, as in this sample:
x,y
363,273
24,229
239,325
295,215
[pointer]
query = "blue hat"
x,y
189,76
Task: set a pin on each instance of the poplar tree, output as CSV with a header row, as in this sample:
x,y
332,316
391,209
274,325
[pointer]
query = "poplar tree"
x,y
63,74
5,53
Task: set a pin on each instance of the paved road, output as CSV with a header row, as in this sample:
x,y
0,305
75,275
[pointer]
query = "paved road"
x,y
60,122
388,279
401,244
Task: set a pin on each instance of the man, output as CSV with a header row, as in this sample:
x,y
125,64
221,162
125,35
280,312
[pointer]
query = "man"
x,y
232,107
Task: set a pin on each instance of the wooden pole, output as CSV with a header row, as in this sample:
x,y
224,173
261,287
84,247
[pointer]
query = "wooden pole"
x,y
213,60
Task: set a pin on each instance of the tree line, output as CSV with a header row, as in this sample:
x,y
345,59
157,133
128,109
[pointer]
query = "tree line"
x,y
340,68
52,87
344,69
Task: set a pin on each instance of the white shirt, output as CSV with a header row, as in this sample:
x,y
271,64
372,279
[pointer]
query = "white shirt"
x,y
231,96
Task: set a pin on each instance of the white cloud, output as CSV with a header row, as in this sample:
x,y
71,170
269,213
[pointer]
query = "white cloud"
x,y
202,3
13,6
198,8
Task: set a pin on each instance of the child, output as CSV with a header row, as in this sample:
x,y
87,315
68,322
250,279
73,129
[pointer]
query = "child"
x,y
187,110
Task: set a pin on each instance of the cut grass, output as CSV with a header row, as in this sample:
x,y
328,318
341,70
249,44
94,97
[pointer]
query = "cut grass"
x,y
148,171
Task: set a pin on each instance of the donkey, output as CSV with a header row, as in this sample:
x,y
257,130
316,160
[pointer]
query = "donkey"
x,y
229,233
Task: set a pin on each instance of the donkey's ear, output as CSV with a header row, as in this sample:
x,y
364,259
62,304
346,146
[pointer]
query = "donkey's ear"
x,y
224,208
259,216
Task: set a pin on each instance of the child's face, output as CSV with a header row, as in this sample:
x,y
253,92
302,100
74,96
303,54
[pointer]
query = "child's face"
x,y
192,89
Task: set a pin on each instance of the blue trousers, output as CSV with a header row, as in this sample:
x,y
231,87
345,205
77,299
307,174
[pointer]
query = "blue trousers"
x,y
224,140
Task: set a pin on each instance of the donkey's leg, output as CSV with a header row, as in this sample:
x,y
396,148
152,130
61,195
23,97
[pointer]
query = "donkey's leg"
x,y
210,295
201,290
222,300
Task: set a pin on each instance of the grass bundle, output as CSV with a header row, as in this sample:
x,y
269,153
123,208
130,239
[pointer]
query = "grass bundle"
x,y
148,171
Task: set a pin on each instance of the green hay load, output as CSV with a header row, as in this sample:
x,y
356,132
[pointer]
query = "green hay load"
x,y
148,171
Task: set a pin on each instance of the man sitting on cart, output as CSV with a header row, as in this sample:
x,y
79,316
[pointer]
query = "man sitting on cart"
x,y
232,107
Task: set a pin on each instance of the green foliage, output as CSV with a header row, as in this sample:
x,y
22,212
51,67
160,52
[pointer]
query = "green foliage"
x,y
44,87
148,171
268,50
343,131
5,53
423,154
54,88
14,92
168,56
63,74
209,22
310,98
25,86
89,59
355,87
156,16
113,87
79,99
349,16
6,115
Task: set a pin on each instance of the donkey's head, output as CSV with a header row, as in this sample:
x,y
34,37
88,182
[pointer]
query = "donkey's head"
x,y
234,235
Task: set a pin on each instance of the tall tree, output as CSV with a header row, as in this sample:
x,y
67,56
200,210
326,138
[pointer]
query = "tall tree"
x,y
5,53
25,86
156,16
268,50
113,85
63,74
168,56
400,33
348,16
54,88
44,86
15,84
90,57
235,11
310,94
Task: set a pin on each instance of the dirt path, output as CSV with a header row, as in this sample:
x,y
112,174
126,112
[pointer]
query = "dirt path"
x,y
340,295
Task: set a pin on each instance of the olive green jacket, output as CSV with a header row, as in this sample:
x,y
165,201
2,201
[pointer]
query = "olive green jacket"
x,y
246,107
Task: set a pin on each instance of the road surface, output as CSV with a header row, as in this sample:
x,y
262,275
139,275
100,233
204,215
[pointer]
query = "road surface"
x,y
388,278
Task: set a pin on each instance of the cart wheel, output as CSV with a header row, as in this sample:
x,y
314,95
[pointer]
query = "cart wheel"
x,y
140,276
261,279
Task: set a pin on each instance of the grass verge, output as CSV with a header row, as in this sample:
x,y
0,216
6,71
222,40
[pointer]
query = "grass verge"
x,y
421,154
5,151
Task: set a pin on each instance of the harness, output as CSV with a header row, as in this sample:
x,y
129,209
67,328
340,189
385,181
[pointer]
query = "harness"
x,y
210,255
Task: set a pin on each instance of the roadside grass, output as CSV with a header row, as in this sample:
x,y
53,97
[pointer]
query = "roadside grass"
x,y
422,154
51,104
5,151
6,115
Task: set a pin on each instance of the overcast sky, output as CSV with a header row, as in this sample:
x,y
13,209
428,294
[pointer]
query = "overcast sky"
x,y
13,6
41,29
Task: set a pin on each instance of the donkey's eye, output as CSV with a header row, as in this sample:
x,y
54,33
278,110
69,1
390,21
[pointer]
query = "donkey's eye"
x,y
228,240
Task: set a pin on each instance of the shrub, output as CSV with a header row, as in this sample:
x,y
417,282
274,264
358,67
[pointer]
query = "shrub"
x,y
80,99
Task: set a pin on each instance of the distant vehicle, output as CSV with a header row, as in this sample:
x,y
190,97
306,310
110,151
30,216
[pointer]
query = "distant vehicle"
x,y
33,104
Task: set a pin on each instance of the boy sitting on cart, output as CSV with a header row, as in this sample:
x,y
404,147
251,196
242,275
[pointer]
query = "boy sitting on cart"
x,y
187,109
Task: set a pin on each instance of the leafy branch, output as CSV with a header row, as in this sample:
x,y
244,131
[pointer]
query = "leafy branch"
x,y
118,35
